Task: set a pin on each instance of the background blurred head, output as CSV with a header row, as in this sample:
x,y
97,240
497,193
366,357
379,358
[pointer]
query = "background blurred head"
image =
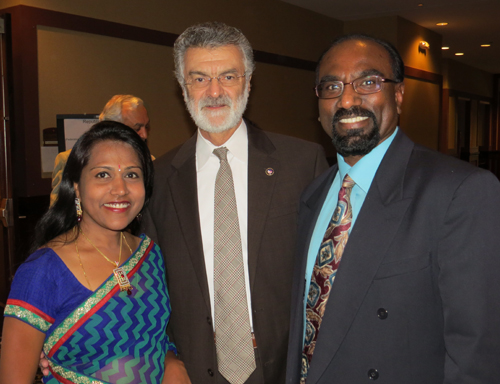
x,y
129,110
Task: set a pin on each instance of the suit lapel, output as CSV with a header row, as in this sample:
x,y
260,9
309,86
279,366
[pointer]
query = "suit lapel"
x,y
260,190
183,186
370,238
310,210
313,203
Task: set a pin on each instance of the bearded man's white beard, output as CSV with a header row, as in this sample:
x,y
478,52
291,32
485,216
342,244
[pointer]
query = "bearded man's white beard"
x,y
202,118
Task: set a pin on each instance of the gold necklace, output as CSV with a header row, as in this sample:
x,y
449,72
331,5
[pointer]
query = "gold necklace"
x,y
81,265
118,271
114,263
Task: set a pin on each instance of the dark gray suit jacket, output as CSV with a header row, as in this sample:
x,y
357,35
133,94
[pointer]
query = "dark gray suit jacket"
x,y
173,222
416,298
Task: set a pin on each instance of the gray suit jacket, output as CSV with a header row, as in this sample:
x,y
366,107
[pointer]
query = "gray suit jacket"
x,y
173,222
416,298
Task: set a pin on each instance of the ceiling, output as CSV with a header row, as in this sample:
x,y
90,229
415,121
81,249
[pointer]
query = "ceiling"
x,y
470,23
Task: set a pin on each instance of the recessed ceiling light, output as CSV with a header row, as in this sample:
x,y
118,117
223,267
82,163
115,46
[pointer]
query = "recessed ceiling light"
x,y
485,45
459,54
445,48
420,5
441,24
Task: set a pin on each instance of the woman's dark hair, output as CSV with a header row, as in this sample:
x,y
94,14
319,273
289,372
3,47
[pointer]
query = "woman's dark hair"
x,y
61,217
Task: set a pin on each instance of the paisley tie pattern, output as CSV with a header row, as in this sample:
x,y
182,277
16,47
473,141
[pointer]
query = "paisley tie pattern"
x,y
325,269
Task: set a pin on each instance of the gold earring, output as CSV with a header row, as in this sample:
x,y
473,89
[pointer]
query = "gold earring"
x,y
79,212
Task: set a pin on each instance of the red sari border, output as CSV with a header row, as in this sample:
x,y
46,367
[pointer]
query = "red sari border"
x,y
31,308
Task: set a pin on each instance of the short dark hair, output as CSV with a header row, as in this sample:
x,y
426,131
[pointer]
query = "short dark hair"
x,y
397,64
61,217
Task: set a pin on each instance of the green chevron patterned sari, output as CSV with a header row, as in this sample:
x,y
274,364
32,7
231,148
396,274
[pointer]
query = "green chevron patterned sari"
x,y
112,336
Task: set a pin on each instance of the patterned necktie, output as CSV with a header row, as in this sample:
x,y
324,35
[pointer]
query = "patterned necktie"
x,y
235,354
325,269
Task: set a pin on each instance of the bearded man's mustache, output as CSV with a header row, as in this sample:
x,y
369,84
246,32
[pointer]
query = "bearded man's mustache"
x,y
210,101
351,112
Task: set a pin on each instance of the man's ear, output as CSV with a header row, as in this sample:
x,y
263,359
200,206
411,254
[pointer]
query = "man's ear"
x,y
249,83
399,92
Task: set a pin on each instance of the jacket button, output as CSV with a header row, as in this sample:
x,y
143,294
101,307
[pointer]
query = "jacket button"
x,y
373,374
209,320
210,372
382,313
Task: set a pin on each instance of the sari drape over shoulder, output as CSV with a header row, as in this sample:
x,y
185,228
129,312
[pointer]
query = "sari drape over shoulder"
x,y
105,336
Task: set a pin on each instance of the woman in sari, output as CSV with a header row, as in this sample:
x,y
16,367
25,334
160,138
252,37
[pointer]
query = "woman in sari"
x,y
93,295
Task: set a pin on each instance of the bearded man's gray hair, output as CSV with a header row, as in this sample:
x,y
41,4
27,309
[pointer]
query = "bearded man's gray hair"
x,y
211,35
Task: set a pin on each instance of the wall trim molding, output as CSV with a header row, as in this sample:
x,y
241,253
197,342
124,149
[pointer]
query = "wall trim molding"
x,y
55,19
423,75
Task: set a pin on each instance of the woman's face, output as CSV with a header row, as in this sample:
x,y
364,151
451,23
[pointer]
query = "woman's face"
x,y
111,187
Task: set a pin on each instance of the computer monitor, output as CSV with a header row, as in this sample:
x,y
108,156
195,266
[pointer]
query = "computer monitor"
x,y
71,127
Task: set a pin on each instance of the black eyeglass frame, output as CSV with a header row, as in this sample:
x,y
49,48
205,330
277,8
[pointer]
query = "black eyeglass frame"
x,y
379,78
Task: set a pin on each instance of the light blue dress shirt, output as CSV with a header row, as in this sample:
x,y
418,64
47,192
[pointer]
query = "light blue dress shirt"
x,y
362,173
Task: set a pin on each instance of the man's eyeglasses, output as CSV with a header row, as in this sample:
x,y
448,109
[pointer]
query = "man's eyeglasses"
x,y
364,86
228,80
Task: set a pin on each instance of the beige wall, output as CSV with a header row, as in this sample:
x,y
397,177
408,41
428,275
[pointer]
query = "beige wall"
x,y
79,72
270,25
405,36
464,78
409,37
382,27
420,116
289,106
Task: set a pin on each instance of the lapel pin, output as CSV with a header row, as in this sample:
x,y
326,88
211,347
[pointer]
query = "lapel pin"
x,y
269,171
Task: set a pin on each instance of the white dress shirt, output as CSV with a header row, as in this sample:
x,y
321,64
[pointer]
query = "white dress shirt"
x,y
207,166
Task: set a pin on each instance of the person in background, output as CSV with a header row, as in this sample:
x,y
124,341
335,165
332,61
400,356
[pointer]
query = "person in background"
x,y
230,184
126,109
397,275
93,294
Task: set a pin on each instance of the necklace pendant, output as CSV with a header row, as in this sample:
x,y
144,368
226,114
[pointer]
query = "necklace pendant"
x,y
122,279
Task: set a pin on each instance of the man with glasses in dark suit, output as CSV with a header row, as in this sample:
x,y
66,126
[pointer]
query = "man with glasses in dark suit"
x,y
397,275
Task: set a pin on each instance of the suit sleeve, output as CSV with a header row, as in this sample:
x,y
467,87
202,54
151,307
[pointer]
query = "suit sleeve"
x,y
469,281
147,225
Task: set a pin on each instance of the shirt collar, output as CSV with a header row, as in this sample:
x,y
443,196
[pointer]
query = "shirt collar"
x,y
237,146
364,170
